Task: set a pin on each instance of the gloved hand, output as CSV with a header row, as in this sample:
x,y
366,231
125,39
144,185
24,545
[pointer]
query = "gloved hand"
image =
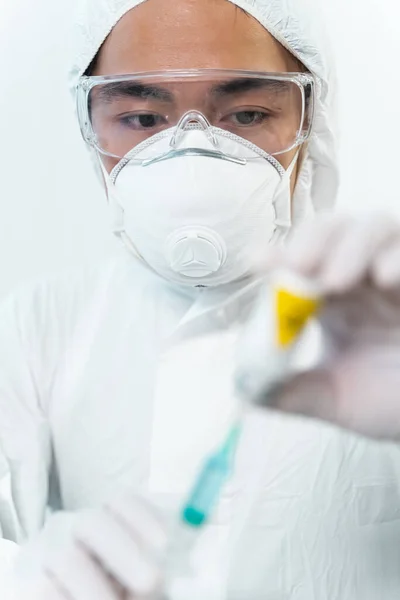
x,y
111,555
357,263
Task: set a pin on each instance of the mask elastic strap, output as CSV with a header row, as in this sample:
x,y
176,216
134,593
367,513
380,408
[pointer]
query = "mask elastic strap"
x,y
117,210
117,213
282,201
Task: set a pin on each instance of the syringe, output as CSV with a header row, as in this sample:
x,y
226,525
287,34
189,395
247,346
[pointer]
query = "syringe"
x,y
199,506
206,491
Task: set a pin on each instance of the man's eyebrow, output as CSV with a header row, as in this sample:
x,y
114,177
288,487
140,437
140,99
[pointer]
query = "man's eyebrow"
x,y
128,89
237,86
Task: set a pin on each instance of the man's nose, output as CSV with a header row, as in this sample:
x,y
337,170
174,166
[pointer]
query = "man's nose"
x,y
193,117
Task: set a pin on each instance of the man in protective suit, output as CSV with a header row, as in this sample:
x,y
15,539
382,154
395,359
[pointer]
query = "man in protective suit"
x,y
211,124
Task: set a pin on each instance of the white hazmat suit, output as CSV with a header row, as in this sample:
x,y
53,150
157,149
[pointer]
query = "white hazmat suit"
x,y
96,396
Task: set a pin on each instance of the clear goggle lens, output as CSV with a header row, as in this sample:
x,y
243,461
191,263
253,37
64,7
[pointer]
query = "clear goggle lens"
x,y
272,112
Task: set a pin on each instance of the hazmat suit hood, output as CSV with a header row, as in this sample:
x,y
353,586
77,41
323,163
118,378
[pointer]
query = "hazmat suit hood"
x,y
299,27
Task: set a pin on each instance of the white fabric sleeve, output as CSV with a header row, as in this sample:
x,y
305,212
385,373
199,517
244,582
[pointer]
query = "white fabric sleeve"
x,y
25,448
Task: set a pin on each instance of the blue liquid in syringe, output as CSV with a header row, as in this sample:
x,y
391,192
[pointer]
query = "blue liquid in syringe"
x,y
208,486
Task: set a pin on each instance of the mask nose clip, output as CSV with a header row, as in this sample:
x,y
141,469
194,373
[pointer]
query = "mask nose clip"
x,y
193,116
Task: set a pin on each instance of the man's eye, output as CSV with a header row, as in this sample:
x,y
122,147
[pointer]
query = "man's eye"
x,y
249,117
142,121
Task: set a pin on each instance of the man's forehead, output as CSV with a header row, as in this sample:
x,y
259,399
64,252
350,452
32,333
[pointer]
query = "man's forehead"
x,y
157,36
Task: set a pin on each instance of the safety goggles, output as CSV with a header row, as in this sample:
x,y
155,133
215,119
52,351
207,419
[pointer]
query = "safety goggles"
x,y
267,111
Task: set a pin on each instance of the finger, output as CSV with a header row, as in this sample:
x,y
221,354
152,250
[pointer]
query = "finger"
x,y
310,394
307,250
80,577
385,270
119,553
350,259
142,521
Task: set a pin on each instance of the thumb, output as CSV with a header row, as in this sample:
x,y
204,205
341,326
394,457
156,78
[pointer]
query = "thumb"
x,y
310,394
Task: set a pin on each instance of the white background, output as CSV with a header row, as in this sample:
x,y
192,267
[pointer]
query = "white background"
x,y
52,212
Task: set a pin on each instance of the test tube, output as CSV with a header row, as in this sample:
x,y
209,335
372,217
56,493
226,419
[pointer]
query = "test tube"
x,y
285,305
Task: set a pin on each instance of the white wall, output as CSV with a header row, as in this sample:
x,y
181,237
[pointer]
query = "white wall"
x,y
52,213
367,44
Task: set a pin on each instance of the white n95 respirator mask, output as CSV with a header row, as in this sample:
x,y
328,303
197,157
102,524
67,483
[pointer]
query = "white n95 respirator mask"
x,y
200,209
